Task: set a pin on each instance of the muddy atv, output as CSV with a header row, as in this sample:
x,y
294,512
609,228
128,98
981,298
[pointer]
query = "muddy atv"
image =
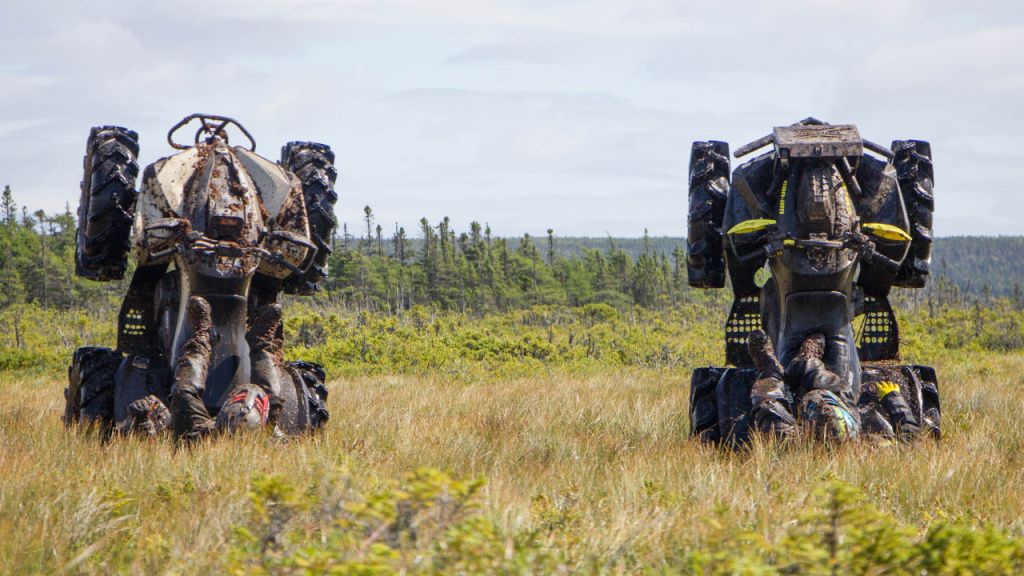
x,y
217,233
812,236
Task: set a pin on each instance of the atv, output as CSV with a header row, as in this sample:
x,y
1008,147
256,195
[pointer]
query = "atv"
x,y
812,235
218,233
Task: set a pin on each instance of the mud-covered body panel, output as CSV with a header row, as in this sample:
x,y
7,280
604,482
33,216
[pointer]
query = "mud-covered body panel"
x,y
275,185
209,185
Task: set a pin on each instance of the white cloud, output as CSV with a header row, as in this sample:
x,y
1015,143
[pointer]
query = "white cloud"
x,y
571,114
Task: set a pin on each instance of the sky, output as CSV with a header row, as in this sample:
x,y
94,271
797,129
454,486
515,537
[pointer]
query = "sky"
x,y
527,115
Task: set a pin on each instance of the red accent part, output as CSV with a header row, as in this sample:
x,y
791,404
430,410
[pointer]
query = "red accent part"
x,y
263,406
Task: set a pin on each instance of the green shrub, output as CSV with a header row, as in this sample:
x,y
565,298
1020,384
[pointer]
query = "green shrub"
x,y
428,523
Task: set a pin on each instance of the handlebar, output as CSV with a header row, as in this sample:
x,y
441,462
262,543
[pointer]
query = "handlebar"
x,y
218,131
188,240
776,242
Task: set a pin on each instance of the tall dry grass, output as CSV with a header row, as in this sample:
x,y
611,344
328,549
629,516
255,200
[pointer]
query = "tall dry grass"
x,y
603,459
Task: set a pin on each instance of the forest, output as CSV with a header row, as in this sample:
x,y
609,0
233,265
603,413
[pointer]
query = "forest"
x,y
477,270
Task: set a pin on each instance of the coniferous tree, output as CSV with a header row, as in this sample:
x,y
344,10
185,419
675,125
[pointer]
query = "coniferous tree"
x,y
551,247
368,215
8,207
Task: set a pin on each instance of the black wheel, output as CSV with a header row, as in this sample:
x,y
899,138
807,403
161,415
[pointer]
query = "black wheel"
x,y
720,405
704,404
709,189
107,204
89,397
734,405
312,384
913,162
314,165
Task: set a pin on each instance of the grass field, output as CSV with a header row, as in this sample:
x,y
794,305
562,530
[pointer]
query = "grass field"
x,y
550,469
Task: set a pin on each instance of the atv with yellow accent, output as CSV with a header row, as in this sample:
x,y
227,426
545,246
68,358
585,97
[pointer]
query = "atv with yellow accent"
x,y
814,234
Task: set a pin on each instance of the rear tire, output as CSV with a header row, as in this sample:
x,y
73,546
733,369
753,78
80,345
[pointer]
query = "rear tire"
x,y
313,164
916,175
709,189
89,397
107,204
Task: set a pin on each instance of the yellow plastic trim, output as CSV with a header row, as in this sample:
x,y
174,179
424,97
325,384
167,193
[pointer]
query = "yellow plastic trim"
x,y
886,387
762,276
789,242
748,226
886,231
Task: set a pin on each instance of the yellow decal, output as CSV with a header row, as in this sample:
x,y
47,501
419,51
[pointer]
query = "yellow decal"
x,y
886,231
782,197
762,276
886,387
748,226
840,419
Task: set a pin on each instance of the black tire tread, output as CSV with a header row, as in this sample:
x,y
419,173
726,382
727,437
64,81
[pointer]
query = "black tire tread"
x,y
313,164
916,176
709,189
107,205
314,390
89,397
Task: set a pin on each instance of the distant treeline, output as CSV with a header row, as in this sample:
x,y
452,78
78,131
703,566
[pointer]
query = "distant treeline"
x,y
475,270
478,271
973,263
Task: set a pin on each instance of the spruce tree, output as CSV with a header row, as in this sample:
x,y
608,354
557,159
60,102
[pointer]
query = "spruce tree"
x,y
8,207
551,247
368,214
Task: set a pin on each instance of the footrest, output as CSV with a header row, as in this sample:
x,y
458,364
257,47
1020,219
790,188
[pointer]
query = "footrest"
x,y
744,317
